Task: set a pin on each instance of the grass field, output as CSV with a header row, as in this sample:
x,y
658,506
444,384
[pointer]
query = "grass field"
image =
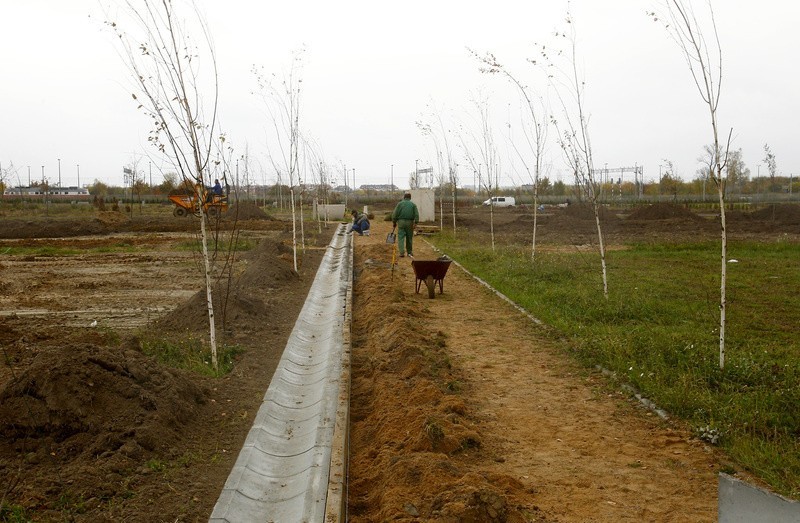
x,y
659,331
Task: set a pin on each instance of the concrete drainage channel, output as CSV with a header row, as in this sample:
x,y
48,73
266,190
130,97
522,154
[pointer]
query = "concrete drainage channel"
x,y
292,466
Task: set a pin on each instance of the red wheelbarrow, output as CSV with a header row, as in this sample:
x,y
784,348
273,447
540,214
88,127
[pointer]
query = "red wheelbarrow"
x,y
431,272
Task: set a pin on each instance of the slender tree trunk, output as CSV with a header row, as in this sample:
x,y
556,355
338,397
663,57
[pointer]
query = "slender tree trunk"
x,y
602,248
491,217
302,227
723,278
441,206
209,300
596,209
454,207
535,218
294,230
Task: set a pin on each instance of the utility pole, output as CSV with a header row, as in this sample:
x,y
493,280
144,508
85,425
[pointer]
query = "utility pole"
x,y
59,173
416,172
79,175
29,176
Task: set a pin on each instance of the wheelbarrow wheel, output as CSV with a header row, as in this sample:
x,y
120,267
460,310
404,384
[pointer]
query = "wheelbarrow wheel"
x,y
431,284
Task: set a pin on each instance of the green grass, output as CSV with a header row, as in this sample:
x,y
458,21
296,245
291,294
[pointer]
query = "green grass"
x,y
13,514
191,354
54,251
241,244
658,330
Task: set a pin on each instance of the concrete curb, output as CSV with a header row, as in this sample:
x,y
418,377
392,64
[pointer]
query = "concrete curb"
x,y
336,504
294,457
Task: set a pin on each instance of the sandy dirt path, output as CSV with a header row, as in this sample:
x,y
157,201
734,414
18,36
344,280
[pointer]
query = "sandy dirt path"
x,y
571,448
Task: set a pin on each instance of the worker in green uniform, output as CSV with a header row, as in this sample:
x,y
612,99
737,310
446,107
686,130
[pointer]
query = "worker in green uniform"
x,y
405,217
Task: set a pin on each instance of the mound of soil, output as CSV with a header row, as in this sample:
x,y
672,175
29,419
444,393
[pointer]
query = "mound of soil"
x,y
663,211
246,211
112,218
584,211
251,296
92,411
783,213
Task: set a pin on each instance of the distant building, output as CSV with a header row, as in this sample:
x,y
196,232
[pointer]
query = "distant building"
x,y
53,193
379,187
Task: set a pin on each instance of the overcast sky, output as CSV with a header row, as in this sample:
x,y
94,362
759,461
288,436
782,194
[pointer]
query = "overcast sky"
x,y
373,69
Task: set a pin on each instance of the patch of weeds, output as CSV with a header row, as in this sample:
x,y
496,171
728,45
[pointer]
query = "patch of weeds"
x,y
442,363
727,469
45,250
674,463
117,247
220,244
470,442
453,386
434,431
13,514
68,504
191,354
109,334
156,465
636,464
186,459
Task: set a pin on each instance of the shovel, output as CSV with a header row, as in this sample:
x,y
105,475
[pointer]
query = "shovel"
x,y
390,239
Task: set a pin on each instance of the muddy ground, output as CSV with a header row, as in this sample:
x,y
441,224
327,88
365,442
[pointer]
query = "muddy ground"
x,y
448,425
91,429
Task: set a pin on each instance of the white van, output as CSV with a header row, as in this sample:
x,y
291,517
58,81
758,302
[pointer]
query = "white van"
x,y
501,201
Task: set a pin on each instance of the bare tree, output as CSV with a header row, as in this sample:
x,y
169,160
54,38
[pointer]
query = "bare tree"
x,y
704,60
282,100
479,151
534,131
6,174
772,166
447,171
165,64
573,131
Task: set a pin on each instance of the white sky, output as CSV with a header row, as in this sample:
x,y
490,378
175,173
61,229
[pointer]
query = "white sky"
x,y
372,68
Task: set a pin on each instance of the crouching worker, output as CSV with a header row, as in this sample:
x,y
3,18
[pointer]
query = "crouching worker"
x,y
360,223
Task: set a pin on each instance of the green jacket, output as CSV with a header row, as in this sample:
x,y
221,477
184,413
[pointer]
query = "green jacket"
x,y
406,210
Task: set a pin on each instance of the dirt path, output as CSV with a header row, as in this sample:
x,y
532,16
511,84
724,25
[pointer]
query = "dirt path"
x,y
532,437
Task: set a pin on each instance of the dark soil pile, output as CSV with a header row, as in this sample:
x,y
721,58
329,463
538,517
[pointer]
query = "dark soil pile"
x,y
784,213
92,412
253,295
112,218
663,211
105,222
246,211
584,211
